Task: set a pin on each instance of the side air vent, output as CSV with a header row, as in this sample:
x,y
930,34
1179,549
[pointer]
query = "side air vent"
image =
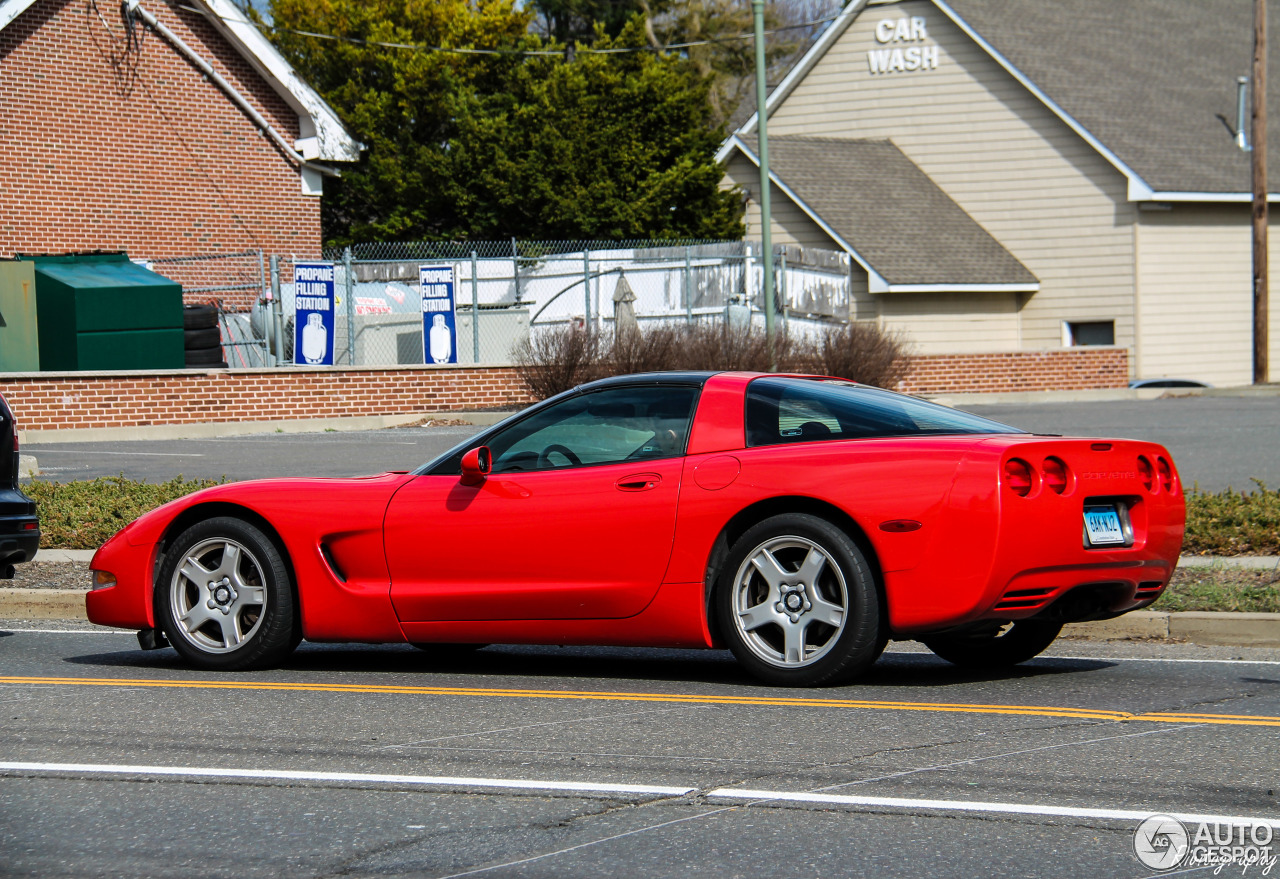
x,y
333,564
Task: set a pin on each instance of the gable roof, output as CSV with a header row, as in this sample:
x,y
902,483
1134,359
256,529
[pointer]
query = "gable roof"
x,y
1153,80
323,136
890,216
1150,84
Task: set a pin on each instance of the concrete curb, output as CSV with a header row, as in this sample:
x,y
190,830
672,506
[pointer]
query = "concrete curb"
x,y
65,555
42,604
206,430
1101,395
1252,562
1209,629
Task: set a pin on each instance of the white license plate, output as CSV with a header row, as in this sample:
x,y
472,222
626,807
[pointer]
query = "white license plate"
x,y
1102,524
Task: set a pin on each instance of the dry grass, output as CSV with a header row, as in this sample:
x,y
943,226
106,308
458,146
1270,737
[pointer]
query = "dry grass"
x,y
1223,589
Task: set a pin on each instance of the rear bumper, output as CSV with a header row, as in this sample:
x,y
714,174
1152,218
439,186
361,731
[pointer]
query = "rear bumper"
x,y
19,539
1073,593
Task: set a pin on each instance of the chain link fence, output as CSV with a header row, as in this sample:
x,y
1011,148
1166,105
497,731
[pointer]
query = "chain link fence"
x,y
504,292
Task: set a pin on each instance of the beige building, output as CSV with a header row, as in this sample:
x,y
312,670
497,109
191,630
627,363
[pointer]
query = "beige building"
x,y
1029,174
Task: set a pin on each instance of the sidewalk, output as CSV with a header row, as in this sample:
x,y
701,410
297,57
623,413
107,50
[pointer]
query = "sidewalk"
x,y
1209,629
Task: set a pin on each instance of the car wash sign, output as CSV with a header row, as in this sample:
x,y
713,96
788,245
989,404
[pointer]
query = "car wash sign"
x,y
313,319
903,46
439,319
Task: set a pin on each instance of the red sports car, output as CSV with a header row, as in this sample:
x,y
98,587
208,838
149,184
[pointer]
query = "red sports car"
x,y
799,520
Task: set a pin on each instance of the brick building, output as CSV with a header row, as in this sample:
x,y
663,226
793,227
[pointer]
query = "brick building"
x,y
161,129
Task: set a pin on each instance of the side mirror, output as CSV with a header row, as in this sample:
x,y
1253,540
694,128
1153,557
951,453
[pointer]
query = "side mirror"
x,y
476,465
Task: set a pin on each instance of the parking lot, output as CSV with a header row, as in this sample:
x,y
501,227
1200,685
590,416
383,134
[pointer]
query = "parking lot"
x,y
522,761
1217,442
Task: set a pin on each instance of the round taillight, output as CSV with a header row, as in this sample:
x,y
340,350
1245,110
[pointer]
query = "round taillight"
x,y
1055,475
1147,475
1165,472
1018,476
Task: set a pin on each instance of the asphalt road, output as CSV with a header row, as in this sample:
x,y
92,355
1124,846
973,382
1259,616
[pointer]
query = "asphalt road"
x,y
513,762
1216,442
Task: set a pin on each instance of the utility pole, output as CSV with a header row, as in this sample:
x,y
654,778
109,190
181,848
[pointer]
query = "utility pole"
x,y
766,216
1259,136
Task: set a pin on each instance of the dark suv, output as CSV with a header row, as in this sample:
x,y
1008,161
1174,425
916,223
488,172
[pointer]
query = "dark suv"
x,y
19,527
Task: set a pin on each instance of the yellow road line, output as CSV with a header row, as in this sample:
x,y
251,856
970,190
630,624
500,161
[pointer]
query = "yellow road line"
x,y
677,698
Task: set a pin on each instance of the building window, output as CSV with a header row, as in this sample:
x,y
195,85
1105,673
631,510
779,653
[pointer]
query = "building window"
x,y
1089,332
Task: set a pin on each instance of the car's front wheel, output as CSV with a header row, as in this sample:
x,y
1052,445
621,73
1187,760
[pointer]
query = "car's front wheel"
x,y
995,646
225,598
797,603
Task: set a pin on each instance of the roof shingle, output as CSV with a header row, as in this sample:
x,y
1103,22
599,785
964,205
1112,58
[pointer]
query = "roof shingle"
x,y
891,212
1153,80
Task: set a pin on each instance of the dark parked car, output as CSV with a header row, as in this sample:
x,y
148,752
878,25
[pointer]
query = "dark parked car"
x,y
1168,383
19,526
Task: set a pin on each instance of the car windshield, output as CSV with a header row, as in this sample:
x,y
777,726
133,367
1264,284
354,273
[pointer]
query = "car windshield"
x,y
787,410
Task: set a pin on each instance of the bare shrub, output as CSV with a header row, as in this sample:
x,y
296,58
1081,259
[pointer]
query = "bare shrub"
x,y
651,348
707,345
861,351
559,359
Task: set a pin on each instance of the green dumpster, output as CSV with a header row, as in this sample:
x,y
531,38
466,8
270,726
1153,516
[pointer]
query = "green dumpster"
x,y
99,311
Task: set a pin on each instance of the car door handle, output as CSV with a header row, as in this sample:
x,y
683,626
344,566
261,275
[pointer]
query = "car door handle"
x,y
638,482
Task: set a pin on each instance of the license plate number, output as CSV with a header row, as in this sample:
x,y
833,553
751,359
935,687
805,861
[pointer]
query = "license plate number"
x,y
1102,525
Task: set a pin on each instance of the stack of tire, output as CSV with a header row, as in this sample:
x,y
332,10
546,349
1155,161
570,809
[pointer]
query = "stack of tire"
x,y
201,337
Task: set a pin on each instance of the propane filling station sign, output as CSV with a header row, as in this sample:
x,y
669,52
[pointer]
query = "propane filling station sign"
x,y
439,317
313,318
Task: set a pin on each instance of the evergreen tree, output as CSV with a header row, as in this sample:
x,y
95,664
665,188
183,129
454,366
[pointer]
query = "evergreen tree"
x,y
483,146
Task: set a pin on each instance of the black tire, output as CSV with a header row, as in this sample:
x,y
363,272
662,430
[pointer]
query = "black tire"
x,y
209,337
995,646
793,638
199,317
240,612
203,356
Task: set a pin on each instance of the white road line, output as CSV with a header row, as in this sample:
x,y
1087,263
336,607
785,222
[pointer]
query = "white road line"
x,y
1046,656
67,631
44,452
1169,659
756,797
360,777
976,806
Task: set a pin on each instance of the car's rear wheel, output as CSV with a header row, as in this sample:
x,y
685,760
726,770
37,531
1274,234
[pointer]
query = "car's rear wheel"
x,y
797,603
225,598
995,646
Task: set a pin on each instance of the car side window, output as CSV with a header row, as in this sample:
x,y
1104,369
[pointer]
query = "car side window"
x,y
790,410
602,427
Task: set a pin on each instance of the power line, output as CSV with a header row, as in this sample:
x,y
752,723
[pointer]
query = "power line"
x,y
585,50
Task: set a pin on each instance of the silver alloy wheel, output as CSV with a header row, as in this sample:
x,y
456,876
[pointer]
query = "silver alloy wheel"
x,y
218,595
790,601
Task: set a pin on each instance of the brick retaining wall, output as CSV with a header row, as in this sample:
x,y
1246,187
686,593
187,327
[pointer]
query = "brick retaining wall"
x,y
59,401
1065,369
68,400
